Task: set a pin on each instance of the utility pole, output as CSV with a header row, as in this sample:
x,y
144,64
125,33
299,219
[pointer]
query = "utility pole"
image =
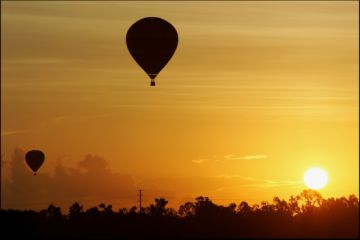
x,y
1,163
140,200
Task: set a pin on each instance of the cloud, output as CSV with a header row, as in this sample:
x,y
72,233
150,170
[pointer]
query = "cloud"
x,y
259,182
249,157
93,182
93,163
11,132
230,157
199,161
35,60
76,118
254,157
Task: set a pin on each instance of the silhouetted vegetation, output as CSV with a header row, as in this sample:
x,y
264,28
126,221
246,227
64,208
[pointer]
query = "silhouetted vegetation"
x,y
302,216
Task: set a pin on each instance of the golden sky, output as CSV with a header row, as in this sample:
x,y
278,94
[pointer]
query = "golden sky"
x,y
255,94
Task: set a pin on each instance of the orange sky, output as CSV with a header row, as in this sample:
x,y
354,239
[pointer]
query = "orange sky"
x,y
255,94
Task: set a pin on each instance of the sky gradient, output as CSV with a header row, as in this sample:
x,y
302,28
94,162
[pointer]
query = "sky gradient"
x,y
255,94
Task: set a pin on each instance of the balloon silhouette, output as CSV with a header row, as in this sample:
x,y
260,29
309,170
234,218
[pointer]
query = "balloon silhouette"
x,y
34,159
152,41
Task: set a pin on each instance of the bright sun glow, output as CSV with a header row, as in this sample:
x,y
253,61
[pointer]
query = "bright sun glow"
x,y
315,178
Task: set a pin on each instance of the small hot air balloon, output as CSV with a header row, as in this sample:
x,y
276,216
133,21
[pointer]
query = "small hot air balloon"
x,y
152,41
34,159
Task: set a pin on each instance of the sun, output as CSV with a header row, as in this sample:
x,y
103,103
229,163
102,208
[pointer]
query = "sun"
x,y
315,178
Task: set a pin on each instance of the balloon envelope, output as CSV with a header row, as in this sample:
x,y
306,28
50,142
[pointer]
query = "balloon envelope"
x,y
152,41
34,159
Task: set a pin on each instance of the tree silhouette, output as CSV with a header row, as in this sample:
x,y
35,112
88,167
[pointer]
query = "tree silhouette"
x,y
158,209
187,209
307,215
75,211
244,209
52,212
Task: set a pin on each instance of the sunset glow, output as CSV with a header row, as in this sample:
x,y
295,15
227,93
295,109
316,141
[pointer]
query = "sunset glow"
x,y
255,91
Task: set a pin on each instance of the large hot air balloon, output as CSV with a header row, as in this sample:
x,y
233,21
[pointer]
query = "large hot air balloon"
x,y
34,159
152,41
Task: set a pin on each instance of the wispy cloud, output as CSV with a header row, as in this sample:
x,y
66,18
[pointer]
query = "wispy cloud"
x,y
199,161
248,157
254,157
35,60
76,119
260,182
230,157
11,132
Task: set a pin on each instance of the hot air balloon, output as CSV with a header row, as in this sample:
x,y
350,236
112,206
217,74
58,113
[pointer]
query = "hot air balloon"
x,y
34,159
152,41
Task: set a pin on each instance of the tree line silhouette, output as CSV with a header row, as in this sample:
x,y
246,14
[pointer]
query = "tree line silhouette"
x,y
302,216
